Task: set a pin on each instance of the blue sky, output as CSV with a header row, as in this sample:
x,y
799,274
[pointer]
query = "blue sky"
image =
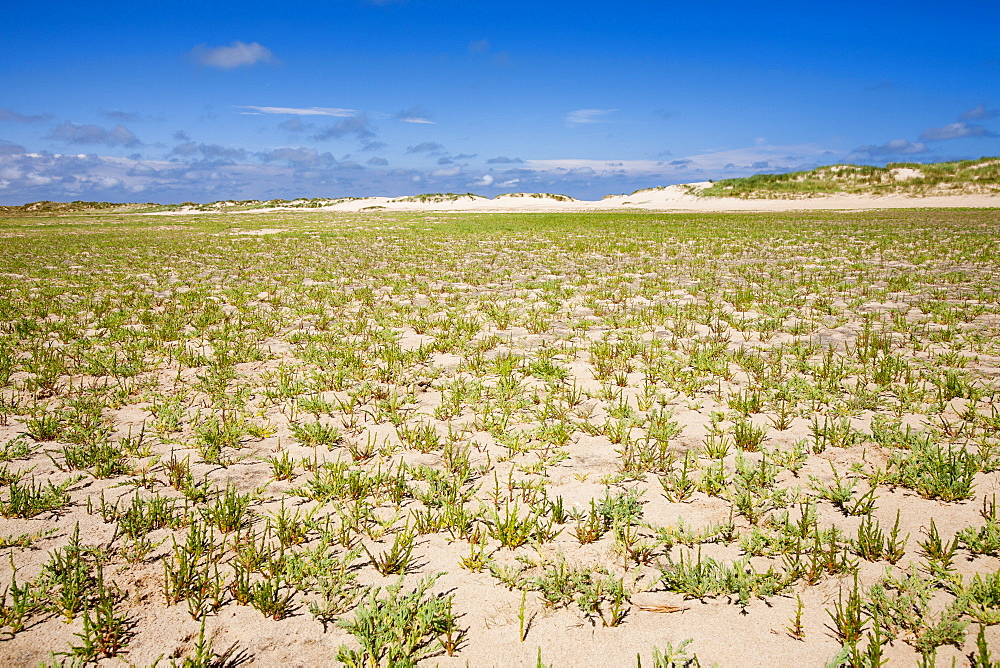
x,y
127,101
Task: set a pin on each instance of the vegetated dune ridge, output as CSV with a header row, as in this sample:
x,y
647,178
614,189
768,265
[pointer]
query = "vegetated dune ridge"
x,y
961,184
609,433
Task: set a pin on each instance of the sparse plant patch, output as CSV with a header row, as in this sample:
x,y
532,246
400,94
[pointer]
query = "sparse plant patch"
x,y
399,629
581,408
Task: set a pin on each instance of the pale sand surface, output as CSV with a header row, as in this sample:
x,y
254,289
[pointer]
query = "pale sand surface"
x,y
723,631
670,198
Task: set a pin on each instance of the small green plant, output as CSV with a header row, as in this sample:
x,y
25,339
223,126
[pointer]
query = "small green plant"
x,y
935,471
105,631
511,526
227,512
15,448
986,539
705,577
606,598
25,600
834,433
25,539
477,559
44,426
849,617
203,654
399,557
746,402
399,629
795,629
178,472
746,436
838,492
316,434
271,597
283,467
679,485
939,554
873,545
982,657
672,657
34,498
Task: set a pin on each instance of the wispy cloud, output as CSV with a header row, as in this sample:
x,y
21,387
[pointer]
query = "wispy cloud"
x,y
211,152
296,124
428,147
446,172
979,113
891,148
574,165
11,115
959,130
187,148
745,159
414,115
584,116
307,158
94,134
504,160
10,148
300,111
122,116
356,126
479,46
237,54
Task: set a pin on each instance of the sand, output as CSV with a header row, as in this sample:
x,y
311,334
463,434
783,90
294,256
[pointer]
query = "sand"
x,y
670,198
500,631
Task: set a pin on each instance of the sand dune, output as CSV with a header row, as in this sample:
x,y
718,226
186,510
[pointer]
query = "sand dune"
x,y
669,198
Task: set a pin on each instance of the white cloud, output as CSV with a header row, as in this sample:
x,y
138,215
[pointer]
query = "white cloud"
x,y
954,131
237,54
778,158
414,115
303,157
429,147
892,147
94,134
485,180
11,115
300,111
979,113
448,171
583,116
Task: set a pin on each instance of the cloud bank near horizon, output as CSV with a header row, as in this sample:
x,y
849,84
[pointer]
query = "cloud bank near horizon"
x,y
193,171
326,158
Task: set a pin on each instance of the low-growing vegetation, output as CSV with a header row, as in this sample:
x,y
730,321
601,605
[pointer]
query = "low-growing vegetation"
x,y
981,176
365,437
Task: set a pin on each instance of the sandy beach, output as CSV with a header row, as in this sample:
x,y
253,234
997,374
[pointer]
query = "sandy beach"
x,y
586,442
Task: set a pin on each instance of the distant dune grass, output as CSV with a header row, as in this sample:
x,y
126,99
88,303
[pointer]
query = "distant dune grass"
x,y
980,176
